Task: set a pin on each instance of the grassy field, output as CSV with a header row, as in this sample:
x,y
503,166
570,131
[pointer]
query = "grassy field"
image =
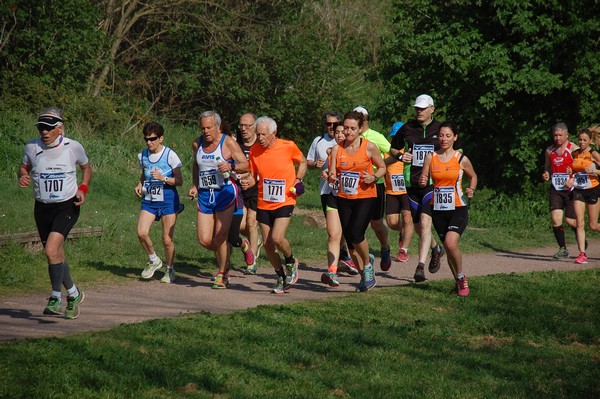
x,y
517,336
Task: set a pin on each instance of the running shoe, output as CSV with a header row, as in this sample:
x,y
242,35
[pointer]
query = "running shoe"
x,y
221,281
169,276
367,279
249,257
72,311
369,273
278,289
462,287
291,273
402,256
346,265
561,254
54,306
420,273
436,257
251,269
386,259
330,279
581,259
151,268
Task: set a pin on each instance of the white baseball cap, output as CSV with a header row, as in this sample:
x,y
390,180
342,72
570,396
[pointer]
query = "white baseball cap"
x,y
361,109
423,101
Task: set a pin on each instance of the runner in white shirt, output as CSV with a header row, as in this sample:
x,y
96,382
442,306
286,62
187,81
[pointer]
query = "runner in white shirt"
x,y
51,162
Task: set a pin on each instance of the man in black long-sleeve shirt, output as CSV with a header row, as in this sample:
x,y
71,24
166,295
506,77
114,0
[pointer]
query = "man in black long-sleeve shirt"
x,y
418,138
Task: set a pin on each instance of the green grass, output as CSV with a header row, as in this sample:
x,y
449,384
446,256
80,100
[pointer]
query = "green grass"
x,y
533,335
527,336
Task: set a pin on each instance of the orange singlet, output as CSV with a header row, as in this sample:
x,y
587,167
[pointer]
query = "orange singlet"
x,y
350,169
394,178
447,183
583,180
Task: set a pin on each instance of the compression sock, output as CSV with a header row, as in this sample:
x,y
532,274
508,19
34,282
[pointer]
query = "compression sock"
x,y
67,281
559,234
56,272
280,272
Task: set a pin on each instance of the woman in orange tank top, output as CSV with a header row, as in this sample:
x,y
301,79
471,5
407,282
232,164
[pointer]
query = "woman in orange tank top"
x,y
586,189
450,211
351,166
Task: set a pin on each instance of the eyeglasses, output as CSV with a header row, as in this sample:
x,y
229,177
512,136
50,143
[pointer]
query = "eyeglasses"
x,y
244,126
150,138
331,123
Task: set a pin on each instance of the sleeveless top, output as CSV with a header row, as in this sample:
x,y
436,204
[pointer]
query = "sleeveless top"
x,y
394,179
559,164
209,176
447,182
155,190
581,161
350,170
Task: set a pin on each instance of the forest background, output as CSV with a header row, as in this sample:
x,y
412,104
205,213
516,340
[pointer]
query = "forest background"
x,y
504,70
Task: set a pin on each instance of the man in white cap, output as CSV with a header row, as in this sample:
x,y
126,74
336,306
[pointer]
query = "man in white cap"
x,y
50,161
418,138
377,223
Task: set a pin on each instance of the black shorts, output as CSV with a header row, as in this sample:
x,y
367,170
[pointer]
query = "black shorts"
x,y
395,203
250,197
562,200
268,217
328,201
58,217
378,211
420,201
589,196
446,221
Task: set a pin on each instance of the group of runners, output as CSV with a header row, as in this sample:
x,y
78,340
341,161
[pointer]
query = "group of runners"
x,y
415,182
574,186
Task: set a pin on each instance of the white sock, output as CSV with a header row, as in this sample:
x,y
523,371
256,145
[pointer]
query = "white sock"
x,y
73,291
153,258
459,276
56,294
170,267
404,249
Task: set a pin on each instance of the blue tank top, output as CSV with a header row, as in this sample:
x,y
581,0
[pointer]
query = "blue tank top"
x,y
209,176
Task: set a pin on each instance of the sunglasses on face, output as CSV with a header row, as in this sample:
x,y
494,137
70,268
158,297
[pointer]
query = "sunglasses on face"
x,y
42,127
331,123
150,138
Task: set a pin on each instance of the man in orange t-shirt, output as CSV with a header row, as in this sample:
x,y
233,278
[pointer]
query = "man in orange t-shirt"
x,y
279,183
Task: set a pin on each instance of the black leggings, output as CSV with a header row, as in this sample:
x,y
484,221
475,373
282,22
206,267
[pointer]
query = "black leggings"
x,y
355,216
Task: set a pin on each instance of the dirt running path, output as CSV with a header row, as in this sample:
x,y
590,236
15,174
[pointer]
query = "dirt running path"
x,y
106,307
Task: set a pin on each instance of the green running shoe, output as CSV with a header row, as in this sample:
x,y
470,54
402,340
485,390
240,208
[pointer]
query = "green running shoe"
x,y
291,273
561,254
72,311
278,289
54,306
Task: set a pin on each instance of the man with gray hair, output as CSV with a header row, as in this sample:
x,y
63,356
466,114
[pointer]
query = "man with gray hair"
x,y
558,162
279,184
216,155
51,162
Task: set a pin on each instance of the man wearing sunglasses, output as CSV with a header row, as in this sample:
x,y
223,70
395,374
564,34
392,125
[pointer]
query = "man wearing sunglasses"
x,y
50,161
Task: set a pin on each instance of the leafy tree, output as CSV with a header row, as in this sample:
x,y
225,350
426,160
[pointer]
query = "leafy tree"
x,y
504,70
